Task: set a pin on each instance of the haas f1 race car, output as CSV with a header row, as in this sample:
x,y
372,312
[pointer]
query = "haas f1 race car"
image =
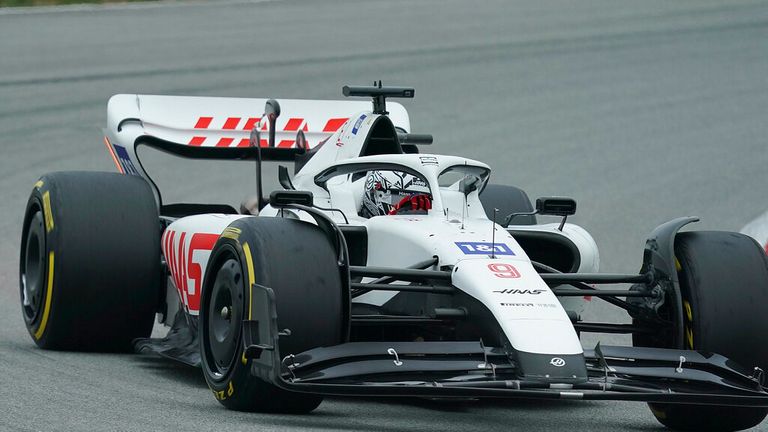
x,y
379,270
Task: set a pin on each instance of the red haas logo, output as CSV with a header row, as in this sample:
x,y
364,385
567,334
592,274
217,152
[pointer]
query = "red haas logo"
x,y
294,124
186,266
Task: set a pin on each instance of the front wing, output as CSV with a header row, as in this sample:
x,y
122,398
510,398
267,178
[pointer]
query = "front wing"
x,y
469,369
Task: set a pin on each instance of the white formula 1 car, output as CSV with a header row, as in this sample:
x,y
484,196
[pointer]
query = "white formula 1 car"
x,y
378,270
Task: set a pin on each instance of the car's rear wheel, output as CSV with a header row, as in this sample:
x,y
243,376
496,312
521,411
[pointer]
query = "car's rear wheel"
x,y
90,261
508,200
297,261
724,283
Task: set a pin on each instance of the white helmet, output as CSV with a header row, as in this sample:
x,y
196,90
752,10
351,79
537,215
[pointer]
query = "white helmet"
x,y
390,192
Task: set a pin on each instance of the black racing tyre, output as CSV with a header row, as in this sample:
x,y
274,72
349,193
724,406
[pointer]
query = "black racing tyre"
x,y
298,262
90,271
724,283
508,199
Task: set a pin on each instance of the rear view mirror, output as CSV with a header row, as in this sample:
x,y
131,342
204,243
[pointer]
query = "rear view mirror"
x,y
556,206
288,197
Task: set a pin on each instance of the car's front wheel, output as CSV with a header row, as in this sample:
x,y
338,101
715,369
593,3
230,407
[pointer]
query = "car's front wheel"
x,y
724,284
298,262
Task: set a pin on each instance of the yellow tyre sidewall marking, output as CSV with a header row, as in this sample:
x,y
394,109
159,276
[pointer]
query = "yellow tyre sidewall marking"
x,y
47,211
251,281
231,233
251,278
222,394
48,295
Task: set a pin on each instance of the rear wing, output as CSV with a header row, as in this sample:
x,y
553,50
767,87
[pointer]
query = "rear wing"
x,y
219,127
227,122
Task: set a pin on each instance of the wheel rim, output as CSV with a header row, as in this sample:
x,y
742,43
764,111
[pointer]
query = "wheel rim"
x,y
33,271
224,318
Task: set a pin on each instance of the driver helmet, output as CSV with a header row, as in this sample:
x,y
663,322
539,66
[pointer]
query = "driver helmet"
x,y
386,191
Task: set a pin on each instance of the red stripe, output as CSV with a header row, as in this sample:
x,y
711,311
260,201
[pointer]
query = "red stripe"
x,y
183,265
224,142
197,141
165,244
203,122
231,123
245,142
194,272
334,124
250,123
293,124
171,260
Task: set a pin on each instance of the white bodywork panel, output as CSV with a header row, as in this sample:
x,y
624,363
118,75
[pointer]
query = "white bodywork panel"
x,y
589,257
455,230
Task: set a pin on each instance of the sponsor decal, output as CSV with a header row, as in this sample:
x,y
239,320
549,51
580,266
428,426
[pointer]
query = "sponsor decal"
x,y
520,291
357,125
47,212
557,362
482,248
542,305
222,395
231,233
428,160
339,142
125,160
503,270
187,263
415,181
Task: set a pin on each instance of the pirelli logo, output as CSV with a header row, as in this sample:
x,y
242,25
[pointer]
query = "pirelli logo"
x,y
48,214
231,233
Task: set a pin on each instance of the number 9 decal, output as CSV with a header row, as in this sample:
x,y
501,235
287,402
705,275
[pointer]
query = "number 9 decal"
x,y
502,270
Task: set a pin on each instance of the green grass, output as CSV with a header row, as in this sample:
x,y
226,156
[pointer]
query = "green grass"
x,y
13,3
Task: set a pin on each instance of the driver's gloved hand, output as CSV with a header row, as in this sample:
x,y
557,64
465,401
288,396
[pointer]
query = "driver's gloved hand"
x,y
419,202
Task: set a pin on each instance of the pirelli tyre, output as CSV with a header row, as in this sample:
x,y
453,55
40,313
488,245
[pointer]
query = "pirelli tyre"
x,y
508,200
724,283
90,270
298,262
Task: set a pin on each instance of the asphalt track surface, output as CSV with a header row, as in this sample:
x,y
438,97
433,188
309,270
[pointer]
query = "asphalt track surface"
x,y
642,111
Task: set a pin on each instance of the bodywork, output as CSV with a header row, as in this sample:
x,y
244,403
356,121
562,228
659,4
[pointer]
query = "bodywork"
x,y
532,346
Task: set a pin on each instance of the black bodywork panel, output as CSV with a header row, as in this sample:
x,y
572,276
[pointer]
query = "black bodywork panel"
x,y
180,344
